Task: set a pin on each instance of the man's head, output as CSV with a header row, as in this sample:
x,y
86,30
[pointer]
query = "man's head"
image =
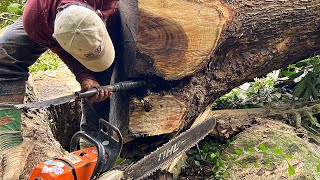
x,y
81,32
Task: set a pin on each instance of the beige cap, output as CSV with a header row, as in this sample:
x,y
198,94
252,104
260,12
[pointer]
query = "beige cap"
x,y
82,33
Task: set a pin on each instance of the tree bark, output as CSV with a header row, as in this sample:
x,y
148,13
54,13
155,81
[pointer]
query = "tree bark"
x,y
195,51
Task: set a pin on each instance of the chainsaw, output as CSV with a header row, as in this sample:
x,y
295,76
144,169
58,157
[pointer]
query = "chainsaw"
x,y
86,163
90,163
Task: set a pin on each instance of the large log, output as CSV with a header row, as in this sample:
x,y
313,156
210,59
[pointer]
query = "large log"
x,y
195,51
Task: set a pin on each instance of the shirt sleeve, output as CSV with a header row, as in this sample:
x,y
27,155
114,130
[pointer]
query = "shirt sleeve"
x,y
108,7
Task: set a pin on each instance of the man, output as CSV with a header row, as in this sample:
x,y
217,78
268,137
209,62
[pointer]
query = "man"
x,y
73,29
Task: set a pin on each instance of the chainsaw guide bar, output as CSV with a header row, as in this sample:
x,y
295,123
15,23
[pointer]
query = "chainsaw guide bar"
x,y
167,152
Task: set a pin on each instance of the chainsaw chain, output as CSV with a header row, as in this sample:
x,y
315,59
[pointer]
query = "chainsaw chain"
x,y
168,160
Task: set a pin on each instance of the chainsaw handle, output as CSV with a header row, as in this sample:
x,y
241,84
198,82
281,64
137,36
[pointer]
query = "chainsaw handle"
x,y
121,86
115,142
101,151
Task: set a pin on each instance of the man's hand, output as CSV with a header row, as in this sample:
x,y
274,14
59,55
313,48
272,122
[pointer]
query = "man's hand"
x,y
101,96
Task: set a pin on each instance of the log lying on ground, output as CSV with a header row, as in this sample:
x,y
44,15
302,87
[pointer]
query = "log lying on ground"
x,y
39,144
231,122
195,51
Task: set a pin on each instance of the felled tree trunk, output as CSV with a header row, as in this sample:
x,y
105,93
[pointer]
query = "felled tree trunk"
x,y
195,51
38,144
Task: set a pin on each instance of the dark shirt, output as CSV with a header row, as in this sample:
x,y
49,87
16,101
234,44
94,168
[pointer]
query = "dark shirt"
x,y
38,22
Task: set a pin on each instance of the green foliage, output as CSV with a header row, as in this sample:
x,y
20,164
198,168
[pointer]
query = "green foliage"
x,y
302,79
252,95
209,154
264,150
239,152
10,10
291,169
262,147
48,61
278,151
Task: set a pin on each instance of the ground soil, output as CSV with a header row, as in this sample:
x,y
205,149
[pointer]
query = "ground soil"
x,y
196,173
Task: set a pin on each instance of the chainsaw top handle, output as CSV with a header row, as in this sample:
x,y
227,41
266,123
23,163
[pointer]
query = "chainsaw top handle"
x,y
108,141
111,139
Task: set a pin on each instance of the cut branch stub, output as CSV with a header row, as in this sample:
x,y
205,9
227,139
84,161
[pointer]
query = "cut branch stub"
x,y
155,115
174,42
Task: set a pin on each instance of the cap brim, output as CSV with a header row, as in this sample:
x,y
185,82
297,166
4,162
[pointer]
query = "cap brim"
x,y
101,62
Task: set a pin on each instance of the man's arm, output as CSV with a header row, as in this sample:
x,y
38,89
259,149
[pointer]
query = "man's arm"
x,y
83,76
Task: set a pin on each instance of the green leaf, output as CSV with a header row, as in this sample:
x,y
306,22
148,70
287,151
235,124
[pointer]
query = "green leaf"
x,y
315,93
287,73
256,165
307,94
217,154
213,155
197,163
318,168
239,152
301,64
278,151
228,141
198,157
243,166
291,170
293,76
250,150
191,152
287,156
222,163
225,175
262,147
15,8
299,89
215,169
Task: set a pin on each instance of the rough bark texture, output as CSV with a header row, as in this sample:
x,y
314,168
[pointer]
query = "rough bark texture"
x,y
198,50
65,122
119,109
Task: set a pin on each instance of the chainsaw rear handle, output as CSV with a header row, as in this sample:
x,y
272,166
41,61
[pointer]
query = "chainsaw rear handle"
x,y
101,150
121,86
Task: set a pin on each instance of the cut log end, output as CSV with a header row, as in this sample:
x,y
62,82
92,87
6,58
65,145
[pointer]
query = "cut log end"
x,y
178,42
155,115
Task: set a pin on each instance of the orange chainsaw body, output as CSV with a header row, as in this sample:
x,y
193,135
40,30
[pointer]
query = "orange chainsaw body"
x,y
84,164
75,165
